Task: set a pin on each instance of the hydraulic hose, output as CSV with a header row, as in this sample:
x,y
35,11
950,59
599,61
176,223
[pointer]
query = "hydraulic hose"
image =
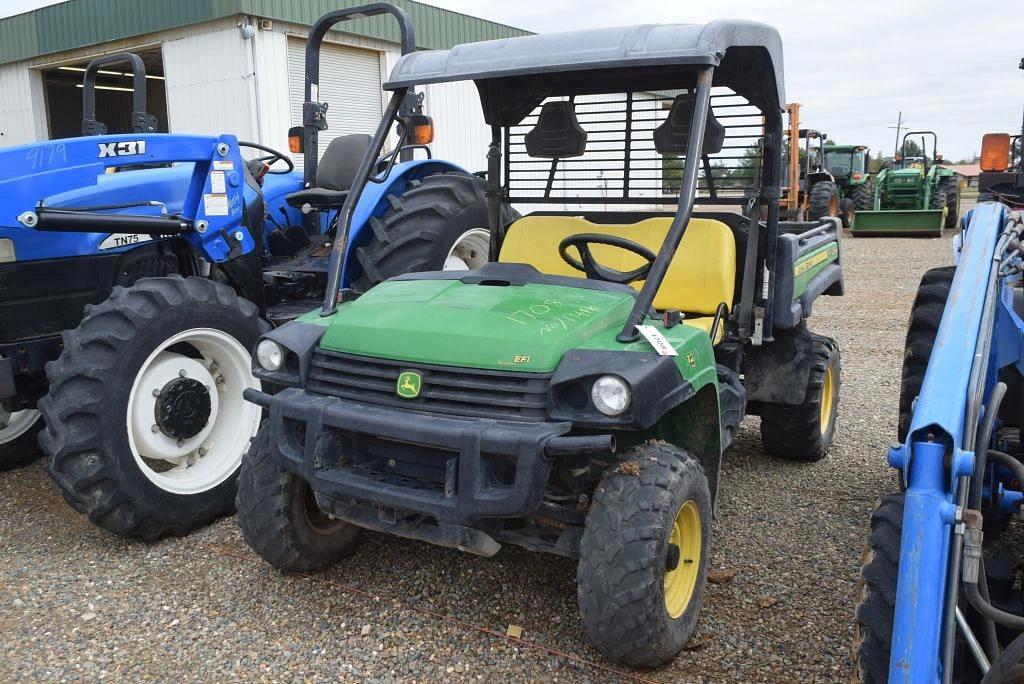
x,y
983,440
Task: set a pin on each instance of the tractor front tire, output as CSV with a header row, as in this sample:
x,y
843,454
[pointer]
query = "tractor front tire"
x,y
822,201
925,316
863,197
280,519
876,592
145,421
439,223
952,189
644,555
804,432
19,437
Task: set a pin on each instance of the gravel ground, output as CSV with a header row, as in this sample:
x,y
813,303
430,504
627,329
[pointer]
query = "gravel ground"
x,y
78,603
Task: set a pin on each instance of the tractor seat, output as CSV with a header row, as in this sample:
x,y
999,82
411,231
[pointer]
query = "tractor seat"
x,y
701,275
334,174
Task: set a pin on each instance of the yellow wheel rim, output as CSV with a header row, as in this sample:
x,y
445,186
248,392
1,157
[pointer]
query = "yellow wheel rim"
x,y
827,399
681,580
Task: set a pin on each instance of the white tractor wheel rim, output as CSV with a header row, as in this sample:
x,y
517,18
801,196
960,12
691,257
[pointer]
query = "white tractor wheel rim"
x,y
14,425
206,459
469,251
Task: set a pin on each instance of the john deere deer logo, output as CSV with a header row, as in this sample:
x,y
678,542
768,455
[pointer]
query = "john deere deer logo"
x,y
409,384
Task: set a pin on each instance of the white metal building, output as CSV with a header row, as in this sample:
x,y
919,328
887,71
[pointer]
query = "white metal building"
x,y
237,70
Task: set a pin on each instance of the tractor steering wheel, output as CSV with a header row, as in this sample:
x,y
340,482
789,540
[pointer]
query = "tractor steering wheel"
x,y
269,160
594,270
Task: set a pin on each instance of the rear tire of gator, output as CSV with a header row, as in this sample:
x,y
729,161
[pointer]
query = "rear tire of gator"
x,y
279,517
145,424
804,432
441,219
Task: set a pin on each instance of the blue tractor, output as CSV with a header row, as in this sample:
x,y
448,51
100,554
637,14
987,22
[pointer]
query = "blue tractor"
x,y
136,271
940,595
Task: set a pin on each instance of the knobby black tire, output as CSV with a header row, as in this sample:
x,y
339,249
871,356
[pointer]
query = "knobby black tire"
x,y
273,515
876,592
925,316
952,191
820,199
863,197
620,579
421,226
795,433
86,407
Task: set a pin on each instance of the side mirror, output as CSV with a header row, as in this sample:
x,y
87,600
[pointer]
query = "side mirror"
x,y
420,129
295,138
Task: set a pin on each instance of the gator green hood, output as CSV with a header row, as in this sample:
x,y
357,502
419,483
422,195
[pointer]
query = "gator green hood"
x,y
447,322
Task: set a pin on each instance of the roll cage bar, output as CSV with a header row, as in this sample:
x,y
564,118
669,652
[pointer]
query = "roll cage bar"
x,y
754,310
314,113
924,148
142,121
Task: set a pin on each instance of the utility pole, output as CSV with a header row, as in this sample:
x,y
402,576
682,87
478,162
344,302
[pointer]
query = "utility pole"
x,y
899,127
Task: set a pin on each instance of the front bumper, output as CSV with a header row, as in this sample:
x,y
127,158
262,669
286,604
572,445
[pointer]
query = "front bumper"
x,y
415,474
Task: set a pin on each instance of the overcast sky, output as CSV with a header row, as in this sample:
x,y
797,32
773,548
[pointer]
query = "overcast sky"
x,y
949,65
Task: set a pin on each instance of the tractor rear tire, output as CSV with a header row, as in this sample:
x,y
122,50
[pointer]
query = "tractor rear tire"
x,y
644,555
863,197
925,316
822,201
876,592
441,219
280,519
804,432
19,438
145,423
952,188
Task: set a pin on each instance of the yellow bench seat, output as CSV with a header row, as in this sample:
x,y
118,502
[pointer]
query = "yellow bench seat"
x,y
701,275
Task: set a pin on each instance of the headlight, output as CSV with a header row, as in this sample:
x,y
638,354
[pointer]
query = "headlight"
x,y
611,395
269,355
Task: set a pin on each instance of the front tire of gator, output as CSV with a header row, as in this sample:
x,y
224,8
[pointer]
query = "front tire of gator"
x,y
145,422
644,555
280,520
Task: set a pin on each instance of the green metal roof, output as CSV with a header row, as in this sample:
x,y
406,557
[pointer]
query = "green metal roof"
x,y
79,23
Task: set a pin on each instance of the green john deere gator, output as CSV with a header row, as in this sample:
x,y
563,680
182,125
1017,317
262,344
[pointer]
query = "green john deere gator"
x,y
913,197
848,164
575,394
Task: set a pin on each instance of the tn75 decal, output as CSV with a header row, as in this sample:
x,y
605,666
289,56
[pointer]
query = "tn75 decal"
x,y
126,148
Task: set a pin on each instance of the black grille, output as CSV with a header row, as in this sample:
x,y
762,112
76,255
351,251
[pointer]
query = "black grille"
x,y
468,392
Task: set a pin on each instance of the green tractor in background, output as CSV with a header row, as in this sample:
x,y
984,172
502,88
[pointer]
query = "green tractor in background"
x,y
913,196
848,165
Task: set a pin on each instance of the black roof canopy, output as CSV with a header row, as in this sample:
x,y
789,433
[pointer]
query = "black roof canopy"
x,y
515,74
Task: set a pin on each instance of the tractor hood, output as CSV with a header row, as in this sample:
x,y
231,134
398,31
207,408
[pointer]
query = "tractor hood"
x,y
481,324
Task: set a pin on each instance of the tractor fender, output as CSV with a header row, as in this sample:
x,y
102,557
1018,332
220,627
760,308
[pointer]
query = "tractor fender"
x,y
373,202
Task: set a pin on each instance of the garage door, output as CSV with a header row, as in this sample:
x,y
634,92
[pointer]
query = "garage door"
x,y
349,80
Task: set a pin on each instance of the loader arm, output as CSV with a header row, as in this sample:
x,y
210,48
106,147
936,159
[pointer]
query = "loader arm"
x,y
979,333
37,194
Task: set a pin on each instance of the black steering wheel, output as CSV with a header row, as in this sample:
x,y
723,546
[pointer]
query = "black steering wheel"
x,y
271,158
594,270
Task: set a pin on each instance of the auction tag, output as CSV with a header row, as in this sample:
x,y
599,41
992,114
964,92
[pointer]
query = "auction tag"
x,y
215,205
657,340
